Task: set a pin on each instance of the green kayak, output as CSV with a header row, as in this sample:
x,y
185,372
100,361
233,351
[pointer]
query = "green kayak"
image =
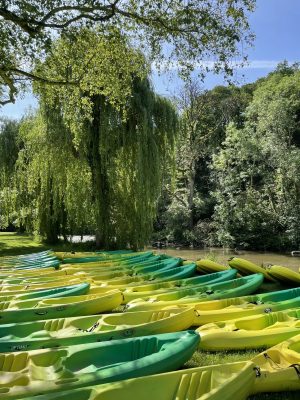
x,y
91,329
184,271
153,289
53,370
36,309
138,257
194,294
63,291
238,307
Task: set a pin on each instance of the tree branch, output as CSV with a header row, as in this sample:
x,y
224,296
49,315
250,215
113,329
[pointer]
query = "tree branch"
x,y
38,78
11,87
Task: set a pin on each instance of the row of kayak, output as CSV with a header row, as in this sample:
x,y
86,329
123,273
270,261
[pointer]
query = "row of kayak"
x,y
45,259
62,329
65,323
120,368
273,273
276,369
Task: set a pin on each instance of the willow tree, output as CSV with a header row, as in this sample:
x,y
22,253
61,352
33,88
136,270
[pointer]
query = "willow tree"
x,y
9,148
93,156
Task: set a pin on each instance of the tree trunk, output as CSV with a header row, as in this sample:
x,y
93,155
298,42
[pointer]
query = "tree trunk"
x,y
99,177
191,190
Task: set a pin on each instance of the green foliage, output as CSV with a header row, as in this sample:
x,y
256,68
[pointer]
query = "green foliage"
x,y
205,114
9,149
238,163
194,31
257,170
93,156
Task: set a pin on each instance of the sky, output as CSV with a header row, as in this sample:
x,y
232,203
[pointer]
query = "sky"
x,y
276,26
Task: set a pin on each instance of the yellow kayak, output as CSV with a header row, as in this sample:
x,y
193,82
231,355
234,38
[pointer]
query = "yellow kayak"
x,y
35,309
53,370
284,275
238,307
277,368
91,329
8,289
232,381
246,267
251,332
193,294
152,289
274,370
208,266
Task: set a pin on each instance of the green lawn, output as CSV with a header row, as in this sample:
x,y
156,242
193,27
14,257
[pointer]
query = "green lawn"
x,y
13,244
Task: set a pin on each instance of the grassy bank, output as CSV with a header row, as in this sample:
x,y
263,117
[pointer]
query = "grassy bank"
x,y
14,244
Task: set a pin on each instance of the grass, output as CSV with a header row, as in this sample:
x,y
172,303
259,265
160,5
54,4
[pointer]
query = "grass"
x,y
203,358
14,244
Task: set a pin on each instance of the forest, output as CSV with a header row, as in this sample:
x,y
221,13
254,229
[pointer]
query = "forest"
x,y
230,160
237,166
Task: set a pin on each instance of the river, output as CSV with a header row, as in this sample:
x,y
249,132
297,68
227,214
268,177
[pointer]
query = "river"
x,y
222,255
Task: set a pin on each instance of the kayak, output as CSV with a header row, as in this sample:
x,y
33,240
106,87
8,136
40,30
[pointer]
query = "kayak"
x,y
72,268
23,266
193,294
250,332
208,266
109,266
115,252
52,370
232,381
238,307
137,257
19,288
284,275
277,369
246,267
40,280
29,255
36,309
154,289
70,273
63,291
27,258
8,286
180,272
215,277
31,273
157,266
91,329
40,283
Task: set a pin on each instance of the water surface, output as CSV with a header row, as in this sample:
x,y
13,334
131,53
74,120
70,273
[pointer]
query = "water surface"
x,y
222,255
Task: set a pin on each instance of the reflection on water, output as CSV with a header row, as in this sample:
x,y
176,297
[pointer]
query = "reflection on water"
x,y
222,255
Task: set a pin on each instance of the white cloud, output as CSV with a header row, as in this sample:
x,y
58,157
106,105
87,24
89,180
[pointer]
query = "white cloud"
x,y
239,64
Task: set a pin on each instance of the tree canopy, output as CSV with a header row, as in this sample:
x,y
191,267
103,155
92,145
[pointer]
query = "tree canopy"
x,y
181,32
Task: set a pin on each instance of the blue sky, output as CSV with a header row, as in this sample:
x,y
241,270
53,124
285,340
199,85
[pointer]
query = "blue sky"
x,y
277,29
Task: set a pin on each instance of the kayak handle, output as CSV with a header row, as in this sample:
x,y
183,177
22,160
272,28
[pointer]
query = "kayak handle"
x,y
41,312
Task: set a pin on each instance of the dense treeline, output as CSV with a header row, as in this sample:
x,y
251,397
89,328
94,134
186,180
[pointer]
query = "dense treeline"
x,y
235,182
238,165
